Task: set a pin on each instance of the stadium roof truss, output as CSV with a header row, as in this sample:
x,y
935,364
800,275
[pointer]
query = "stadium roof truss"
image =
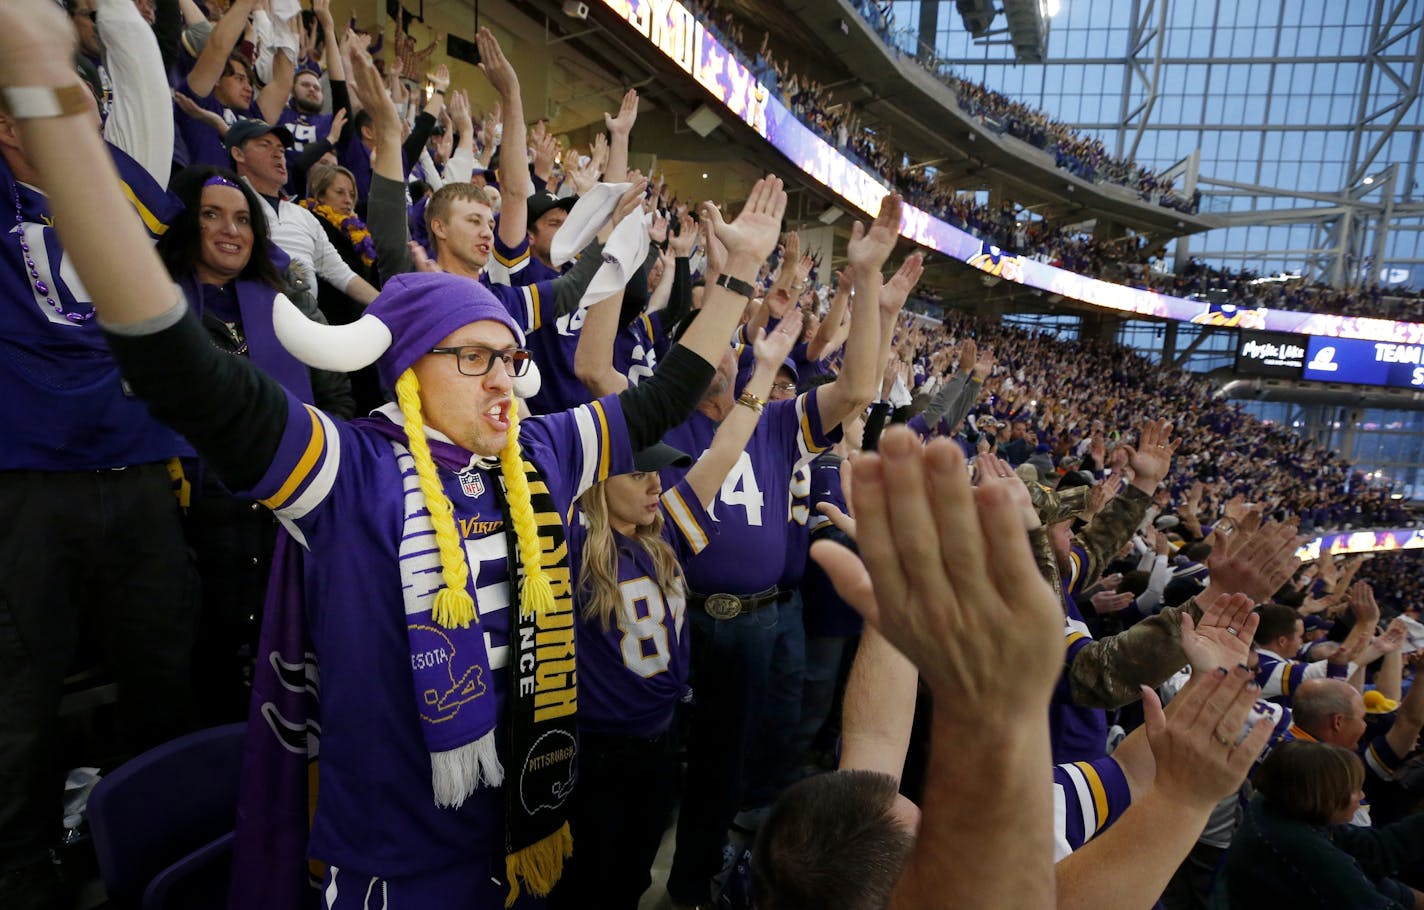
x,y
1164,68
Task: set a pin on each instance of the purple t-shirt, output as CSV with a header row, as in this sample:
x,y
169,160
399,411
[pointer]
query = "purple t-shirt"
x,y
204,145
339,490
749,552
65,407
632,674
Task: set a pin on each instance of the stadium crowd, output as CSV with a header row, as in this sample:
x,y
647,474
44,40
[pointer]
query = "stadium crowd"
x,y
515,504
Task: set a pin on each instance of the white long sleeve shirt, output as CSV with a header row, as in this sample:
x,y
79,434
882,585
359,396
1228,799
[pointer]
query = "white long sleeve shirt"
x,y
301,236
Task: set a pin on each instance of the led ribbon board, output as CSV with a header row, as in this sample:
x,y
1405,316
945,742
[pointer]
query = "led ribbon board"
x,y
1389,541
673,30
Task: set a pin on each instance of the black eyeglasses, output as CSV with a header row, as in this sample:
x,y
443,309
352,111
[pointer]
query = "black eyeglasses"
x,y
477,360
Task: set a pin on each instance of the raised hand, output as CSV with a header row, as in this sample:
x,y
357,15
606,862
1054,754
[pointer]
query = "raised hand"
x,y
988,466
948,578
599,152
1152,457
460,113
895,291
420,260
584,176
632,199
1255,563
1194,743
546,151
1223,636
622,122
1362,604
370,90
496,67
658,229
868,249
984,364
37,44
771,350
753,235
684,241
338,123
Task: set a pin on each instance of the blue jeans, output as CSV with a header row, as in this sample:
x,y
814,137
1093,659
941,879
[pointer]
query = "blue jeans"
x,y
772,754
824,657
731,668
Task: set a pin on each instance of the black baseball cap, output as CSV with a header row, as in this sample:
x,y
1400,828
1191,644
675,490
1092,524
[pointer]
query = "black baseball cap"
x,y
660,455
541,204
243,130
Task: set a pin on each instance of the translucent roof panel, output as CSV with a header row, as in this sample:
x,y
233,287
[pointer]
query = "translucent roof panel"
x,y
1301,109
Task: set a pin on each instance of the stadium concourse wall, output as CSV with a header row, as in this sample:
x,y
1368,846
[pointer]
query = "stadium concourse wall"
x,y
672,29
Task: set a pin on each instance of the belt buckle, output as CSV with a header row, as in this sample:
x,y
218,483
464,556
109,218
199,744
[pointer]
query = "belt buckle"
x,y
723,606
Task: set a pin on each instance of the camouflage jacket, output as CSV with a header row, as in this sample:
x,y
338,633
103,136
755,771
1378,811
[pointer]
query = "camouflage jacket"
x,y
1106,673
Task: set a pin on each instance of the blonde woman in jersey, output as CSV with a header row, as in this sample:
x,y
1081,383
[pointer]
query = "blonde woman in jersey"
x,y
633,647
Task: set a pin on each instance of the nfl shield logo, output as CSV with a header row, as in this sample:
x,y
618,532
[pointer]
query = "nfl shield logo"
x,y
472,484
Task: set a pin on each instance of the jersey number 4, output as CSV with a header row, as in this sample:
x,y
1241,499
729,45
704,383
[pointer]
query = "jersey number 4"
x,y
739,488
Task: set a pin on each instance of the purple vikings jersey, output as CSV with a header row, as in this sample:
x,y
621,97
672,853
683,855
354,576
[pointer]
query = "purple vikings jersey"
x,y
339,491
516,266
632,674
825,613
798,528
749,552
304,128
64,405
1087,797
635,352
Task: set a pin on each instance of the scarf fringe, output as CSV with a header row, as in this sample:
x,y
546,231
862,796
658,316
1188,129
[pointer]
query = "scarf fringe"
x,y
456,773
540,864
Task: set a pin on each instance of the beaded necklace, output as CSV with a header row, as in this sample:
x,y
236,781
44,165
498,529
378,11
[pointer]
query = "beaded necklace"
x,y
41,288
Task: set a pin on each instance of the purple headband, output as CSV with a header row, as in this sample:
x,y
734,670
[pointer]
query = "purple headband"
x,y
220,180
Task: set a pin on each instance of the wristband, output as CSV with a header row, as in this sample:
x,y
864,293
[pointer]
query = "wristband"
x,y
736,286
748,400
44,102
439,91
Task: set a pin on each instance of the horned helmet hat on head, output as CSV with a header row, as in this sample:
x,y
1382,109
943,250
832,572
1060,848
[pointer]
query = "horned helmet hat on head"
x,y
410,316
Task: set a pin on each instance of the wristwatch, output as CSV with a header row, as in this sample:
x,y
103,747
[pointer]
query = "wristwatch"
x,y
736,285
40,102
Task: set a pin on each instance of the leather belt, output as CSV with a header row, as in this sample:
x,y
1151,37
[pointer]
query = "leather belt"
x,y
730,606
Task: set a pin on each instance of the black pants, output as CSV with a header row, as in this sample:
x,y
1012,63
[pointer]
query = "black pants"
x,y
625,794
103,550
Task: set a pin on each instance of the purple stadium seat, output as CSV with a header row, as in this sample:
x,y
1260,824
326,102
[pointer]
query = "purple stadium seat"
x,y
168,815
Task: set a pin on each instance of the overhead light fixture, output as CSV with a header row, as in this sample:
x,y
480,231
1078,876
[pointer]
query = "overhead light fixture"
x,y
1368,180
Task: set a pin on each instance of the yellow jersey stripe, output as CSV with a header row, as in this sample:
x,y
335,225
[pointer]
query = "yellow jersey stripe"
x,y
808,436
682,517
304,465
1100,792
1074,637
533,307
515,261
155,227
604,454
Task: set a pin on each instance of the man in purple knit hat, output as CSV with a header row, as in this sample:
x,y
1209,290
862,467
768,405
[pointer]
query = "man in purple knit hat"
x,y
424,556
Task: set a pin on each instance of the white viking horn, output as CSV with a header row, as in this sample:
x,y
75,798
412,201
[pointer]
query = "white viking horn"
x,y
528,385
338,348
